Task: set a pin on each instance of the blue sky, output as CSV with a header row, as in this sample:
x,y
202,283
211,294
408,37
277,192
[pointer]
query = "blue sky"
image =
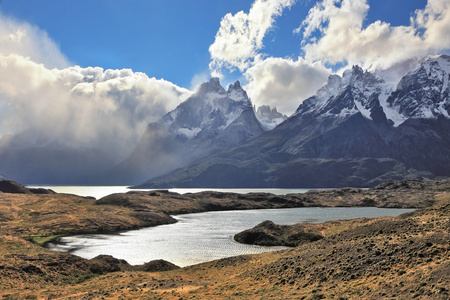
x,y
166,39
95,73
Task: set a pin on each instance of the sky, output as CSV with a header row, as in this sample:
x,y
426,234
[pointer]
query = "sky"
x,y
87,71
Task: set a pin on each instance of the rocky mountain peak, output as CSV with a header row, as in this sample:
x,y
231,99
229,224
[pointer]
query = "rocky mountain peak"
x,y
194,114
235,86
424,91
269,117
212,86
236,93
352,75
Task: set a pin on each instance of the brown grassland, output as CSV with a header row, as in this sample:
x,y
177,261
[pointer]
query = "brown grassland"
x,y
384,258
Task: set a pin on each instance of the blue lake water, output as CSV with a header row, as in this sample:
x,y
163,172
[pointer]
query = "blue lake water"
x,y
202,237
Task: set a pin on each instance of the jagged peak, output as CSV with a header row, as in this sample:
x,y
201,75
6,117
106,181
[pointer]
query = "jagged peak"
x,y
236,92
235,86
213,85
356,73
214,81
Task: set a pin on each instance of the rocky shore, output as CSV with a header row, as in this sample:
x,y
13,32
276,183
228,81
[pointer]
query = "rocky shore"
x,y
403,257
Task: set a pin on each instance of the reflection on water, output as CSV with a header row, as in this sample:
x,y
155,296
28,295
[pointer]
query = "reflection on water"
x,y
202,237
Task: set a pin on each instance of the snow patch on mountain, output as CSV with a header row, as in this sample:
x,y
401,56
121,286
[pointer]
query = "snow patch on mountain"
x,y
236,93
210,109
363,110
189,132
421,93
269,117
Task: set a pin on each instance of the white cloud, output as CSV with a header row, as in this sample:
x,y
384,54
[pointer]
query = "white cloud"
x,y
284,83
343,39
73,106
29,41
91,107
240,36
435,20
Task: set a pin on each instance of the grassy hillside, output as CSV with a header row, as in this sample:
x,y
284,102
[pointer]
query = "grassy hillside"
x,y
403,257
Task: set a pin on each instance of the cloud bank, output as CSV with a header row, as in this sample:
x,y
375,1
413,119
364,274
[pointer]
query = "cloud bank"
x,y
344,39
284,83
42,99
29,41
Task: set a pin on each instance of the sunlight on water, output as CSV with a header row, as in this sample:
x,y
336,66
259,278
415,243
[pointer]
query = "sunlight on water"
x,y
202,237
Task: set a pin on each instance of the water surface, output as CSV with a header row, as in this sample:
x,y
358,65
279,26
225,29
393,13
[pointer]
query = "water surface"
x,y
202,237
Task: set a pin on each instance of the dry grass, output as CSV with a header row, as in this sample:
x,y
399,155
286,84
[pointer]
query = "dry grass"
x,y
386,258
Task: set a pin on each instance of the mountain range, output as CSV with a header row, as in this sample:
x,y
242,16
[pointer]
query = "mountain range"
x,y
359,129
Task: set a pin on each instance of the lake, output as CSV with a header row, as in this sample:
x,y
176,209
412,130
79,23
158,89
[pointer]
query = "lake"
x,y
202,237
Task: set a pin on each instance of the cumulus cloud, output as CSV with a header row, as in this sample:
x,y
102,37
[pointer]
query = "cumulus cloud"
x,y
284,83
435,20
29,41
42,98
82,107
344,39
240,36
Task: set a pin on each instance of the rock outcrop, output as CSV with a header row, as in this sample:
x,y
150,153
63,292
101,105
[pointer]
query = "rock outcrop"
x,y
270,234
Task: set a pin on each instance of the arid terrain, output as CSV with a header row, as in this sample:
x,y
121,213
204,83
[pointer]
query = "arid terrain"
x,y
394,258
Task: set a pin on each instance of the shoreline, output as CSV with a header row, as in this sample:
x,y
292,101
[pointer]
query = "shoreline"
x,y
355,257
164,239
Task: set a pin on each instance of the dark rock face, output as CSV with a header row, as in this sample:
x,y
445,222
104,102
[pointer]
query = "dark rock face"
x,y
269,234
103,264
358,130
9,186
159,265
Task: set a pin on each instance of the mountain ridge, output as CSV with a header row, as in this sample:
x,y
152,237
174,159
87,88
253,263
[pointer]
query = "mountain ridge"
x,y
357,130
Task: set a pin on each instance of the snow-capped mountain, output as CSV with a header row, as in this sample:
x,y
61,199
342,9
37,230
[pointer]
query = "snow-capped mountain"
x,y
211,108
424,92
359,129
211,120
421,93
269,117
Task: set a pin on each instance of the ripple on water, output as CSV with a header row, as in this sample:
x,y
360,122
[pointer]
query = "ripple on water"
x,y
202,237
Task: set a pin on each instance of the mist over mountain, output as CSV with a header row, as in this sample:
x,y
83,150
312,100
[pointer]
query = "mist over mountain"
x,y
211,120
39,160
62,125
359,129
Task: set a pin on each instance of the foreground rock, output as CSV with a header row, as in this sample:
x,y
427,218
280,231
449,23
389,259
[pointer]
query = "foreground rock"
x,y
269,234
9,186
103,264
158,265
